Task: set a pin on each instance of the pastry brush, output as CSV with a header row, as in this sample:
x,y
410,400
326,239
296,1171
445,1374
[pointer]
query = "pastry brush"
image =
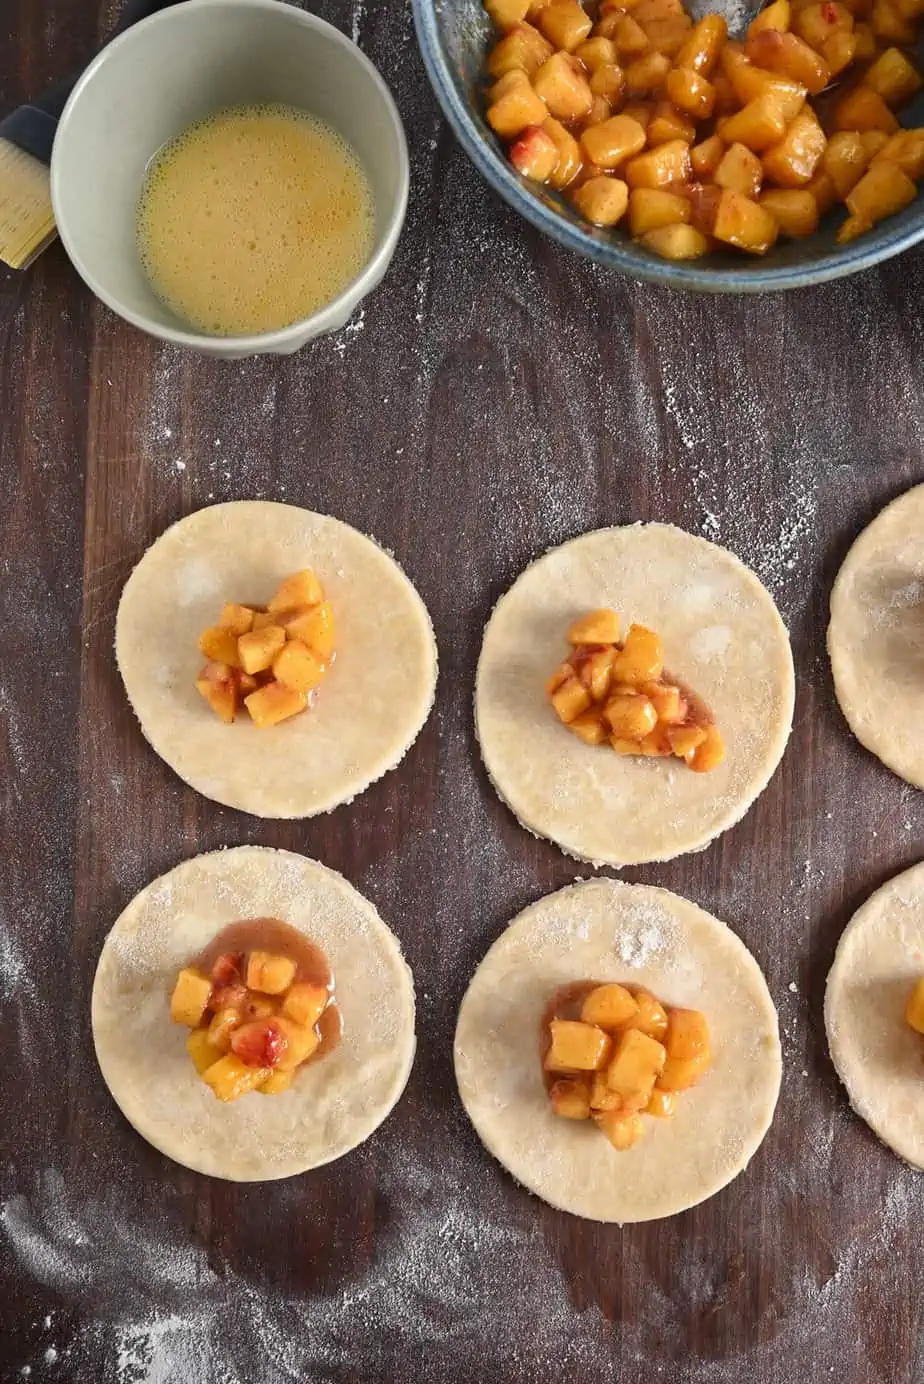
x,y
27,222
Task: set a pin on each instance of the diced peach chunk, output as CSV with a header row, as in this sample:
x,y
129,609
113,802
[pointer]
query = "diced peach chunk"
x,y
564,23
570,1097
219,645
630,716
681,242
236,618
301,589
588,727
641,659
653,207
662,1104
864,109
561,84
914,1009
274,703
793,209
276,1083
218,685
258,648
740,221
709,754
740,168
622,1130
609,1007
302,1043
601,1097
200,1050
882,190
893,76
667,163
260,1043
602,200
792,162
702,47
523,50
533,154
787,54
269,973
608,145
297,666
223,1023
305,1003
190,998
569,161
650,1016
506,13
595,672
576,1047
230,1078
635,1066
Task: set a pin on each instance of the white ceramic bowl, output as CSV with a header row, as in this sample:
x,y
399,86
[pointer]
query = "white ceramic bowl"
x,y
177,67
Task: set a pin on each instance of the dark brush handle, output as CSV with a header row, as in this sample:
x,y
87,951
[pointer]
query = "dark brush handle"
x,y
32,127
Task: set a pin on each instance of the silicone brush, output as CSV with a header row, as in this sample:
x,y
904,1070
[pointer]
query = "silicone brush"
x,y
27,222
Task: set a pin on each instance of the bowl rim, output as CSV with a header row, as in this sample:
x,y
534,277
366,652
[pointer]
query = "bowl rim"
x,y
334,312
692,275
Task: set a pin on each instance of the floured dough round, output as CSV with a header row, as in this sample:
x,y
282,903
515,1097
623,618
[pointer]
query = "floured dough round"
x,y
333,1104
722,635
876,636
608,931
370,707
877,1056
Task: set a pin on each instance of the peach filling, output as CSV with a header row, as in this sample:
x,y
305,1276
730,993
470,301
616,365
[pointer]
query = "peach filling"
x,y
260,1004
612,1053
616,692
269,658
914,1009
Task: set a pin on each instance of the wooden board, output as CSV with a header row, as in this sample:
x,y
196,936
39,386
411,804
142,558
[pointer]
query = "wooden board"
x,y
494,397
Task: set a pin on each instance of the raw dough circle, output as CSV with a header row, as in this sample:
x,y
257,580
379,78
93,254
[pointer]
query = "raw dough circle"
x,y
606,930
877,1056
876,636
372,704
333,1104
722,635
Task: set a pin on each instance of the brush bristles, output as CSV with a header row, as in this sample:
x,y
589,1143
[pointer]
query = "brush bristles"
x,y
27,223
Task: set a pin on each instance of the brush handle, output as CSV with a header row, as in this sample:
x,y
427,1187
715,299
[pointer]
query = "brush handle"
x,y
32,127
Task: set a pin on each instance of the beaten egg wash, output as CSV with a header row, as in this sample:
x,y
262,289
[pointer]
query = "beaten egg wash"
x,y
253,219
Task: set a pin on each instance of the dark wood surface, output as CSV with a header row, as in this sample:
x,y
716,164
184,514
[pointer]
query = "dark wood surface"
x,y
495,397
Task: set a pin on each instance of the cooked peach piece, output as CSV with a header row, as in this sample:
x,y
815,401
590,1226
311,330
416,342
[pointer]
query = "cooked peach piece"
x,y
647,73
506,13
595,672
817,22
608,145
751,82
296,666
516,108
792,162
218,685
708,754
301,1043
602,200
706,156
906,150
701,49
864,109
305,1003
601,1097
301,589
222,1024
777,15
190,998
596,627
794,210
641,659
687,1033
630,716
597,52
740,221
276,1083
650,1016
219,645
258,648
759,124
685,739
200,1050
914,1009
635,1066
589,728
667,701
681,242
268,973
662,1104
260,1043
691,92
236,618
274,703
893,77
561,84
570,1097
667,163
882,190
564,23
569,162
654,207
668,124
230,1078
609,1007
576,1047
533,154
523,50
845,160
740,168
622,1130
787,54
570,699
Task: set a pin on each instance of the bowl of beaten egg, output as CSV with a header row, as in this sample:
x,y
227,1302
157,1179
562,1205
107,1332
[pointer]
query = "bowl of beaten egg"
x,y
231,175
605,123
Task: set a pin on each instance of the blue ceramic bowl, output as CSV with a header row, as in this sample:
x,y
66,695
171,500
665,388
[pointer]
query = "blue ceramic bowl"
x,y
454,36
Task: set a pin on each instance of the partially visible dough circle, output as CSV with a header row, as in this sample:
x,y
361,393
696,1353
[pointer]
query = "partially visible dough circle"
x,y
876,636
605,930
333,1104
877,1056
371,706
722,635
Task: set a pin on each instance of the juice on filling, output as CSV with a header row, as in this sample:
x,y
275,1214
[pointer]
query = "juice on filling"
x,y
253,219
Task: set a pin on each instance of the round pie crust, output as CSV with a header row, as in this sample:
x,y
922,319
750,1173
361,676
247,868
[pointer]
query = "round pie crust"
x,y
333,1104
878,1057
370,707
876,636
608,931
722,635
